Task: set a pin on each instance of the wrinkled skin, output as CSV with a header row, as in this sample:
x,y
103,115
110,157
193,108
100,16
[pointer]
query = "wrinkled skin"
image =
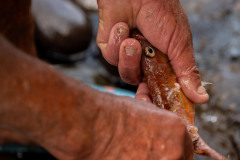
x,y
73,121
165,25
40,106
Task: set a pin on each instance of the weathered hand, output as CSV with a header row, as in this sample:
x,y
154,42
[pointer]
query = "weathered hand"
x,y
165,25
73,121
121,129
128,129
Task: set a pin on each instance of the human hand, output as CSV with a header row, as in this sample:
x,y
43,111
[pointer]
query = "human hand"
x,y
165,26
73,121
130,129
123,129
112,128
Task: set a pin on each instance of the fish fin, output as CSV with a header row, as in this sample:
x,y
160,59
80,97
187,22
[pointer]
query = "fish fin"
x,y
205,83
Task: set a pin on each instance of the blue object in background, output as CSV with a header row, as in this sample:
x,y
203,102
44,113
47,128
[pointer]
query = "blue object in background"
x,y
113,90
15,148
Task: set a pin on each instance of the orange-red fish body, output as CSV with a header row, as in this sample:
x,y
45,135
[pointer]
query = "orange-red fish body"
x,y
162,83
166,93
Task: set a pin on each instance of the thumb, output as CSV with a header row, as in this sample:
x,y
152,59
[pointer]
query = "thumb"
x,y
181,54
189,77
170,33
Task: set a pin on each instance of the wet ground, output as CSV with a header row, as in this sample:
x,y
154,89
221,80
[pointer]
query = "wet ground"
x,y
215,26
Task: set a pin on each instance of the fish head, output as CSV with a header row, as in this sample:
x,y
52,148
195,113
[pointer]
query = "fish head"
x,y
147,49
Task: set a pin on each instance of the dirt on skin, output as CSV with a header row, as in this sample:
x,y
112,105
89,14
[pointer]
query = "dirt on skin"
x,y
215,26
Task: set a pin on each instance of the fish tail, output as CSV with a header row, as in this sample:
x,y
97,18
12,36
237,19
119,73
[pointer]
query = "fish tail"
x,y
201,148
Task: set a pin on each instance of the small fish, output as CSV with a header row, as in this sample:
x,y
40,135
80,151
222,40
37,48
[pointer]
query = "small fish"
x,y
166,93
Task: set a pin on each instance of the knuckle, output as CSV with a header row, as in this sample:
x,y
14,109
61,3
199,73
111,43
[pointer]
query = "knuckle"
x,y
191,71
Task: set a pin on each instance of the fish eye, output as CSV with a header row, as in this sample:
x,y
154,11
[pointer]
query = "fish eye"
x,y
149,51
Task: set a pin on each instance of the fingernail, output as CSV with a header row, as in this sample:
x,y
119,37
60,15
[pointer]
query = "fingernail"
x,y
201,90
130,51
121,30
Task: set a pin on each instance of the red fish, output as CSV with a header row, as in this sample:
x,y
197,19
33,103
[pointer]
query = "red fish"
x,y
166,93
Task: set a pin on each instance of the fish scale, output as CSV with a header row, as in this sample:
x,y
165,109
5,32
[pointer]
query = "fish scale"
x,y
167,94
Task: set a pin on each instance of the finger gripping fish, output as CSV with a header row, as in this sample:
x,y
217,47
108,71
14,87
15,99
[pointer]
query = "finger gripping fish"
x,y
167,94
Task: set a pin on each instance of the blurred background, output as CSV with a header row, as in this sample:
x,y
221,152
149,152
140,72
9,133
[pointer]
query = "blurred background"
x,y
66,37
